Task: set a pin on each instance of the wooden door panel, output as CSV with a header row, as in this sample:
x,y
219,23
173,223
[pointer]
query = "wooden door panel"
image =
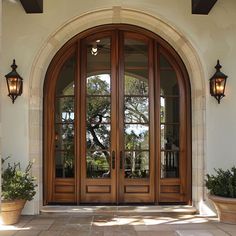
x,y
98,189
171,190
64,191
171,198
137,192
98,194
136,189
134,193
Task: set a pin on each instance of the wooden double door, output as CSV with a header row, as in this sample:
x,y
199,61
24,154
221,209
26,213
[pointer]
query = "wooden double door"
x,y
116,121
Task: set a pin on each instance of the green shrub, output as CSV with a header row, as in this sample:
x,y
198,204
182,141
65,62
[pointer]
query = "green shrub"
x,y
223,183
17,183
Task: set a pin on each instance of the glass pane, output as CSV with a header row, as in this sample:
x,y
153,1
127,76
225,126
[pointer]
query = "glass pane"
x,y
64,137
98,164
137,164
65,82
136,137
98,57
136,110
65,109
170,137
98,109
169,110
98,136
99,84
164,64
136,54
65,164
136,86
136,67
169,83
169,164
64,114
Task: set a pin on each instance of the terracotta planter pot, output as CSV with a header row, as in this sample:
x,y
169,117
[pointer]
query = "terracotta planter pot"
x,y
11,211
226,208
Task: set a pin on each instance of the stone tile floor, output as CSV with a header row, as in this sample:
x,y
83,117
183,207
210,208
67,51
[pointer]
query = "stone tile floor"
x,y
132,224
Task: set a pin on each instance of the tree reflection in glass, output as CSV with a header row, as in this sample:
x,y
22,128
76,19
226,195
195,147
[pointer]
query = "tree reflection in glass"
x,y
136,129
64,121
98,126
98,109
137,164
98,84
136,137
135,86
98,164
64,138
170,121
65,109
136,110
98,136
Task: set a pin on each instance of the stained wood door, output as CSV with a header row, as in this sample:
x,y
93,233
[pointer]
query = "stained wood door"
x,y
98,134
117,147
135,131
117,126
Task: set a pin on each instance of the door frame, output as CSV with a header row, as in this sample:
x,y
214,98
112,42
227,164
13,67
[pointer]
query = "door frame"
x,y
182,70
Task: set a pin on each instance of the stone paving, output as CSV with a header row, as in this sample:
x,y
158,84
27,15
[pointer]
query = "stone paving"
x,y
133,224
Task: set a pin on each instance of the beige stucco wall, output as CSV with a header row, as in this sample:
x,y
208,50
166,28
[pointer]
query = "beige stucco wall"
x,y
200,40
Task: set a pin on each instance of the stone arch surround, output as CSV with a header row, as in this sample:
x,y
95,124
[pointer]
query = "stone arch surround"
x,y
126,16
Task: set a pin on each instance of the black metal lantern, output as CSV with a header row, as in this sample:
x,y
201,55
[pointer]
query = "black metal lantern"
x,y
217,83
14,83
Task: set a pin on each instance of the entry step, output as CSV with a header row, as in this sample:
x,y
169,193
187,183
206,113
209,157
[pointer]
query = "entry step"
x,y
177,209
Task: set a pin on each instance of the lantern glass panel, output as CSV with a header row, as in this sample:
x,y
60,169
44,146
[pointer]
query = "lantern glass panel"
x,y
219,86
14,86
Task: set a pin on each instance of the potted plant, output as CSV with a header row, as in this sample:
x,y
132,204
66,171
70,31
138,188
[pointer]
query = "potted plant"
x,y
222,188
18,186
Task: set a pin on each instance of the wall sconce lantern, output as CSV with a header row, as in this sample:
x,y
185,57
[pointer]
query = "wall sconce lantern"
x,y
14,83
217,83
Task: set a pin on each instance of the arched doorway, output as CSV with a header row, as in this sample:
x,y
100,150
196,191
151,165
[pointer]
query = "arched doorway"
x,y
117,120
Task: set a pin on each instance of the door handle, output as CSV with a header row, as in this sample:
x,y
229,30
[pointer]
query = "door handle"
x,y
113,157
121,160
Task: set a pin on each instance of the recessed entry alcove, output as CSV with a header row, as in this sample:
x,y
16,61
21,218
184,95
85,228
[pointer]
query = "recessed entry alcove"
x,y
137,28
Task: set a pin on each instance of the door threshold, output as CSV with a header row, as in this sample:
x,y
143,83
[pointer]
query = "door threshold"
x,y
130,209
